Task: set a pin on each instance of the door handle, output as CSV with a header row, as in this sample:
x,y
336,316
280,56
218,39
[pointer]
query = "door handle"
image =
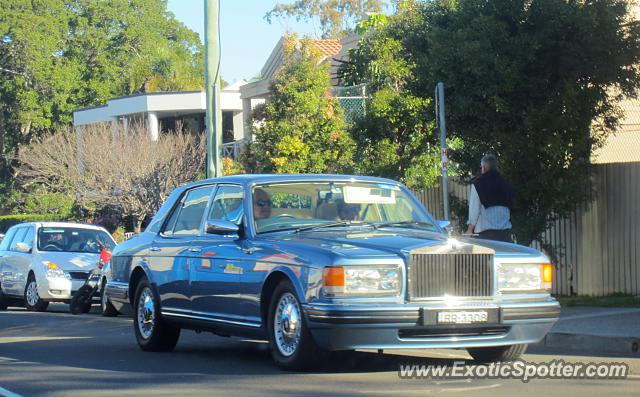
x,y
194,249
154,249
250,250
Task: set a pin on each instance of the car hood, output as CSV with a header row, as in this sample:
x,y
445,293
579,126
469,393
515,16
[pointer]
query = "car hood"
x,y
71,261
392,242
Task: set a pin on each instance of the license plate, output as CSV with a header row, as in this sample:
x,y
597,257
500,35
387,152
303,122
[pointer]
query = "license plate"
x,y
463,317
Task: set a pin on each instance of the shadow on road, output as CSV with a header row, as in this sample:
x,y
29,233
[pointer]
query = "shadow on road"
x,y
94,342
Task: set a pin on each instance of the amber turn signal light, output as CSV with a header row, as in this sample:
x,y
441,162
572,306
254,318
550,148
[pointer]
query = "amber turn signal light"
x,y
547,273
333,277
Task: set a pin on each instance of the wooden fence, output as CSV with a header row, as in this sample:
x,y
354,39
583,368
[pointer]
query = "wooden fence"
x,y
597,246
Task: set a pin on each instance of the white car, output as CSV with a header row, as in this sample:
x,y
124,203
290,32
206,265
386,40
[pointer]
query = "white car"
x,y
46,262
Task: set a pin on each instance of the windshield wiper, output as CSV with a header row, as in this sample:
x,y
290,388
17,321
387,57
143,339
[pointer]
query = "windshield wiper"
x,y
332,224
404,223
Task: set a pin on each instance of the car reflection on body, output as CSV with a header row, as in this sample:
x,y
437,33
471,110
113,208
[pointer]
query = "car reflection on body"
x,y
268,256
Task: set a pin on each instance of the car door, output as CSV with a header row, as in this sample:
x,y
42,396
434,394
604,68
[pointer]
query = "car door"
x,y
23,259
217,265
169,254
13,270
6,269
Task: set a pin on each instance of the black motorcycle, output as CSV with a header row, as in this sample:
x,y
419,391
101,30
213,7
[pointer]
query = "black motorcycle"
x,y
83,298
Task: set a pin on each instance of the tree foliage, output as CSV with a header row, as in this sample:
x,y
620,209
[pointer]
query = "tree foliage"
x,y
302,127
536,82
336,17
101,168
396,138
59,55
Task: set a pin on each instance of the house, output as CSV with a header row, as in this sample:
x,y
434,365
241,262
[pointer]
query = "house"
x,y
160,111
623,146
257,91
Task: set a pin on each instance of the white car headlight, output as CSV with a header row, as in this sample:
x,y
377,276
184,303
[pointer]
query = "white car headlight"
x,y
524,277
54,271
345,281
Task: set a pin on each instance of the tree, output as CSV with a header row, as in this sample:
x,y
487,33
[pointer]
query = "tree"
x,y
535,82
396,138
302,129
336,17
59,55
103,168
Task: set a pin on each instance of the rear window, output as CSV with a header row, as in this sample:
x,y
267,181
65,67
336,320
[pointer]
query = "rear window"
x,y
71,239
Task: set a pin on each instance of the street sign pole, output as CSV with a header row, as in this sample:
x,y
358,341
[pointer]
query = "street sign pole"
x,y
213,119
443,147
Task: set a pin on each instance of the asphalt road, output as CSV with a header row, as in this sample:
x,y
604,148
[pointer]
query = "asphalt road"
x,y
58,354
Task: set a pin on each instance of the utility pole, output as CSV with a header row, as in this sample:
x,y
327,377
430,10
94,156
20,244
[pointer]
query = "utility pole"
x,y
213,119
443,147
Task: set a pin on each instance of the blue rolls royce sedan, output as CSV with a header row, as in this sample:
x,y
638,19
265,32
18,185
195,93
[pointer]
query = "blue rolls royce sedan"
x,y
317,263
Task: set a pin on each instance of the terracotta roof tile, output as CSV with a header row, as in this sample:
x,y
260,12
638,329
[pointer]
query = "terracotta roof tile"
x,y
328,47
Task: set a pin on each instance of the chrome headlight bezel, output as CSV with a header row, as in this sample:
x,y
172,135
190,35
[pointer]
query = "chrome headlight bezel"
x,y
362,281
523,278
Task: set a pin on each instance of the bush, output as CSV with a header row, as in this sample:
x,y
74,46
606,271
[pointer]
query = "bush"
x,y
6,221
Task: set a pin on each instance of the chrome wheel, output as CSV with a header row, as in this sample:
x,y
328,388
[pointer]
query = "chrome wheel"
x,y
146,313
287,324
32,293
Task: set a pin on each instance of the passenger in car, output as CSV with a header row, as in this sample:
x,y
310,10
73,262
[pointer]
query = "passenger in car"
x,y
261,204
348,212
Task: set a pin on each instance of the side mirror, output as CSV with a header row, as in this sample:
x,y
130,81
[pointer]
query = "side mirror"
x,y
23,247
221,227
443,224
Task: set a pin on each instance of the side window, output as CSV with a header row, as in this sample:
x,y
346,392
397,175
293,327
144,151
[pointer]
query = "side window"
x,y
6,241
28,238
227,204
18,238
189,218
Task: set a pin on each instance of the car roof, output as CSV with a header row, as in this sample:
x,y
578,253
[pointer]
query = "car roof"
x,y
247,179
62,224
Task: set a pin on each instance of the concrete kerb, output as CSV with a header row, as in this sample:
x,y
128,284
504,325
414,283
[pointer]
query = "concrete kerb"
x,y
592,343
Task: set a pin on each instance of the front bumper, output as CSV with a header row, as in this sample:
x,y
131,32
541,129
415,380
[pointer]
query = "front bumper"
x,y
58,289
343,327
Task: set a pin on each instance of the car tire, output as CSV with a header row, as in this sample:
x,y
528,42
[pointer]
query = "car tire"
x,y
292,345
4,300
498,353
152,333
32,300
106,308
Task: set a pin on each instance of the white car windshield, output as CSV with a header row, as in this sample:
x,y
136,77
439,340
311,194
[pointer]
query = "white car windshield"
x,y
70,239
309,205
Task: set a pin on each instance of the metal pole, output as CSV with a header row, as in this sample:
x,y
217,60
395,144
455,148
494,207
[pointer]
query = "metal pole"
x,y
443,148
213,119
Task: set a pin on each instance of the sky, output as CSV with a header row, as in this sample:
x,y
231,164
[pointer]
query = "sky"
x,y
246,38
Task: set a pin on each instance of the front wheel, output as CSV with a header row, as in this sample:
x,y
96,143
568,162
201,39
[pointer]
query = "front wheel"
x,y
107,309
4,300
152,333
498,353
291,343
32,300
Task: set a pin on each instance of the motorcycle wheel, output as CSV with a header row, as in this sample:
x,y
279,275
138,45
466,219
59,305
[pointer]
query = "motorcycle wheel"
x,y
81,301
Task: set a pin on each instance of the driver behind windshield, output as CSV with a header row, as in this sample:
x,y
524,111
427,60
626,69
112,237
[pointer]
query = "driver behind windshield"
x,y
348,212
261,204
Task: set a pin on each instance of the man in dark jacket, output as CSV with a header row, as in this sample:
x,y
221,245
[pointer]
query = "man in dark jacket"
x,y
490,203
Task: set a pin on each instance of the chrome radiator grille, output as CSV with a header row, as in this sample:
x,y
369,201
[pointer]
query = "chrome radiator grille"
x,y
454,274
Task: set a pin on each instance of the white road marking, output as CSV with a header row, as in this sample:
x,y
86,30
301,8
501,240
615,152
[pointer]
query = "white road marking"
x,y
6,393
17,339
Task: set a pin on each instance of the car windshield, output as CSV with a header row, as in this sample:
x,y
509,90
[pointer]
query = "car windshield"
x,y
71,239
323,205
